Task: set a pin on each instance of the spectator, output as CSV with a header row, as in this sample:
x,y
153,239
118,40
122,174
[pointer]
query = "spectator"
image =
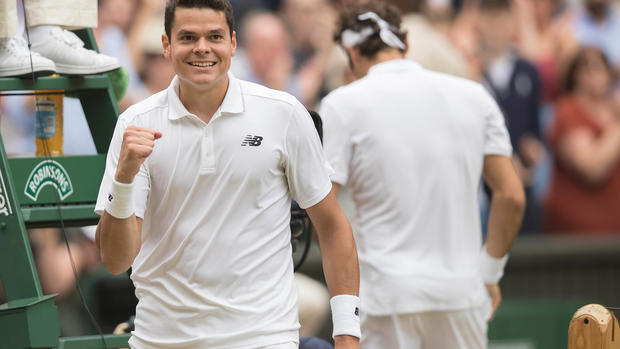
x,y
157,72
268,51
52,259
585,189
597,24
544,38
120,32
245,7
515,85
427,45
311,23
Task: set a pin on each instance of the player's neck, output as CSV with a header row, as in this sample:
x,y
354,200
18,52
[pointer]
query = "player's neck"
x,y
381,57
203,102
387,55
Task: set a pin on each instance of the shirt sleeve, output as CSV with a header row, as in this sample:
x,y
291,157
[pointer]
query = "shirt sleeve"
x,y
496,139
141,183
335,142
307,170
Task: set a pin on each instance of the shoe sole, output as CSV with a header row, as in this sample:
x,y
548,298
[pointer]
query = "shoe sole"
x,y
73,70
26,72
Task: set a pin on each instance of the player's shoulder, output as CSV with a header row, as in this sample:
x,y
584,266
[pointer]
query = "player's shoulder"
x,y
149,105
266,95
346,93
454,82
457,86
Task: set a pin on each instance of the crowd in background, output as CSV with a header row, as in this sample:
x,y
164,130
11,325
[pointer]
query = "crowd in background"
x,y
552,66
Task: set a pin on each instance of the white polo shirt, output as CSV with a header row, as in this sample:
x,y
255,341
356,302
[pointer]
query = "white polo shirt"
x,y
410,145
215,267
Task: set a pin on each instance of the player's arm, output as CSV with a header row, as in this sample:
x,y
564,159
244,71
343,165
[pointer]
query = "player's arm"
x,y
506,213
118,241
118,234
340,266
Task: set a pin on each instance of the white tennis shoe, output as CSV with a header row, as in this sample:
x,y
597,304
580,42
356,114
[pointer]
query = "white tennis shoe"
x,y
68,52
15,59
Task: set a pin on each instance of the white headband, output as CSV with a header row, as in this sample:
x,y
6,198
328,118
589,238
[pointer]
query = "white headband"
x,y
352,38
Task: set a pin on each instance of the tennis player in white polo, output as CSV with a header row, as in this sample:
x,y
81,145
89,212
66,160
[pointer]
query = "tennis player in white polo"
x,y
196,199
411,145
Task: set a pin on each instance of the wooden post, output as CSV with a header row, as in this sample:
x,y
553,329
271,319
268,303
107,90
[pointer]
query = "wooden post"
x,y
593,327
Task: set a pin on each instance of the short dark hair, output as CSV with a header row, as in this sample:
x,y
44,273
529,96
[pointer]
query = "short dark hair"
x,y
373,44
217,5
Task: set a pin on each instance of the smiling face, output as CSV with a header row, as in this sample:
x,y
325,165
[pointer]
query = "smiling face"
x,y
200,48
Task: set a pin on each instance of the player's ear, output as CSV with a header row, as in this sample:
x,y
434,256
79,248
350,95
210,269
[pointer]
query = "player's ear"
x,y
354,55
165,44
233,41
406,41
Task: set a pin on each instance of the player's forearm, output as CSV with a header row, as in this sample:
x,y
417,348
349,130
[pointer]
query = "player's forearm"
x,y
337,246
340,263
505,217
119,242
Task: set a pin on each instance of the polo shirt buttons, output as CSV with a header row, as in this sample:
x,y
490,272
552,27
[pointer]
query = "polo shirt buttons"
x,y
207,150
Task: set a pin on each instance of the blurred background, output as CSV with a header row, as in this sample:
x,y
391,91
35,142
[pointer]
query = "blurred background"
x,y
552,66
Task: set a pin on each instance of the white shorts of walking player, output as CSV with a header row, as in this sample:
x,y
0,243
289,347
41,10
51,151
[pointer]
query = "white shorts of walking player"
x,y
459,329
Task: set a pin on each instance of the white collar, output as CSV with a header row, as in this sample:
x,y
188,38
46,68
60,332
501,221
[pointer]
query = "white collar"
x,y
232,103
394,65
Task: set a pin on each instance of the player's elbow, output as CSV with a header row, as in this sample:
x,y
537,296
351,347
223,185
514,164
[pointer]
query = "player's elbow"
x,y
113,265
513,199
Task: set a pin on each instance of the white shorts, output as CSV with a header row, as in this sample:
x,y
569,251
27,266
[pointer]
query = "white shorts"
x,y
461,329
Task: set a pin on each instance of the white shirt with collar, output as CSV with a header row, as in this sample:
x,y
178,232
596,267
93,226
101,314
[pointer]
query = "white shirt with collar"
x,y
215,267
410,144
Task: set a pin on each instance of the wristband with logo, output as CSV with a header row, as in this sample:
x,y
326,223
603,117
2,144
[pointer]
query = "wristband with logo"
x,y
119,202
346,315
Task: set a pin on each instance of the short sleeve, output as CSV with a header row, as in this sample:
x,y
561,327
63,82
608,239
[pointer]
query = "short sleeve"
x,y
307,170
335,142
141,182
496,139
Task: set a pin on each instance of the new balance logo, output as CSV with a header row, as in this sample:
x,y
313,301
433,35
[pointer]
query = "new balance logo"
x,y
252,141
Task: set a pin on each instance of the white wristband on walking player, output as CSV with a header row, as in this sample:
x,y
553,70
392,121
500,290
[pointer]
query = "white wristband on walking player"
x,y
346,315
119,202
491,268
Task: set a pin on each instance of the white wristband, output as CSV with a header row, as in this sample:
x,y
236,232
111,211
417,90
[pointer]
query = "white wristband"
x,y
119,202
346,315
491,268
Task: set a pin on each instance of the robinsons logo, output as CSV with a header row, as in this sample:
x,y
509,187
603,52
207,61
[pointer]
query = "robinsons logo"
x,y
48,172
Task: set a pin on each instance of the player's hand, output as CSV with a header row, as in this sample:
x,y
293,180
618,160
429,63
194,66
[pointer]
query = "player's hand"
x,y
496,297
138,143
346,342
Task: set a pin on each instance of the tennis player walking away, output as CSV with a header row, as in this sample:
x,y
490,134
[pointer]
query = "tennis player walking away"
x,y
196,199
412,145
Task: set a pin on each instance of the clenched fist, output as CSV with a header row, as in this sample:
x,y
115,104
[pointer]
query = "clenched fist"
x,y
138,143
